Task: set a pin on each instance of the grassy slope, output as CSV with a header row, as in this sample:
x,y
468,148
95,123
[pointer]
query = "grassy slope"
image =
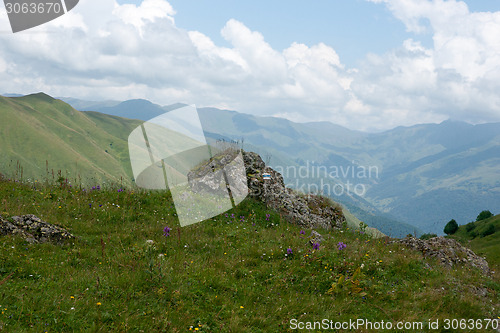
x,y
489,246
224,275
37,128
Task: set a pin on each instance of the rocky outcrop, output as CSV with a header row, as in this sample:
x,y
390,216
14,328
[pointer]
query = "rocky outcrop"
x,y
448,251
302,209
242,174
224,169
33,229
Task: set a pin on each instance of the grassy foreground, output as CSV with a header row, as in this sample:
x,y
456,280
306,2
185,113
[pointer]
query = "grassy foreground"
x,y
247,270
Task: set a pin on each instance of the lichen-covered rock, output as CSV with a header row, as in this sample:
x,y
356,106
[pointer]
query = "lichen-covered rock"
x,y
33,229
306,210
244,173
223,172
448,251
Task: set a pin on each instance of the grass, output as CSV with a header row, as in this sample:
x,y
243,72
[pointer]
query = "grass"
x,y
471,235
87,147
232,273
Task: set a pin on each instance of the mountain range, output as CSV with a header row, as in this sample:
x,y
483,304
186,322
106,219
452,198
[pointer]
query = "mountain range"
x,y
405,180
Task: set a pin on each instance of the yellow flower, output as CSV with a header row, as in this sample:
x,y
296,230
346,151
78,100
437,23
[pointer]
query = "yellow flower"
x,y
241,307
99,303
72,297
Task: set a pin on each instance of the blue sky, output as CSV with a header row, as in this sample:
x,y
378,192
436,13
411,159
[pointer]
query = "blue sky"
x,y
364,64
353,28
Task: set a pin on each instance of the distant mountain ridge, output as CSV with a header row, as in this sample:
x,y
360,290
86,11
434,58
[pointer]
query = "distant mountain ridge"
x,y
45,138
427,174
448,168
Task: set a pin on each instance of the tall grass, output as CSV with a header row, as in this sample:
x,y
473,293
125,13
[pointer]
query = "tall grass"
x,y
247,270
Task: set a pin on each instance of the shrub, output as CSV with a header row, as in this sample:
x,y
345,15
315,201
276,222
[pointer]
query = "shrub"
x,y
470,226
485,214
427,236
451,227
490,229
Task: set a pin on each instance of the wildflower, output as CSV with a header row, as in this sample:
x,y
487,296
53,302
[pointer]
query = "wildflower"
x,y
302,232
98,303
72,297
289,251
166,231
241,307
341,246
268,216
316,246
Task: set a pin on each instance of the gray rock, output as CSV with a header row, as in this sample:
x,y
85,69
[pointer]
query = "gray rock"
x,y
448,251
33,229
315,237
310,211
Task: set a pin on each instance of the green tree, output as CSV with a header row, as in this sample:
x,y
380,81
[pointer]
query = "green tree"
x,y
451,227
485,214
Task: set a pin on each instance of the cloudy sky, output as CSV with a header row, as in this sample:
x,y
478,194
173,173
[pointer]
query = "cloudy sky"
x,y
364,64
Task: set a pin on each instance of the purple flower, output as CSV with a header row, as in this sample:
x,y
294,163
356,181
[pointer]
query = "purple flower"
x,y
289,251
120,190
302,232
268,216
316,246
166,231
341,246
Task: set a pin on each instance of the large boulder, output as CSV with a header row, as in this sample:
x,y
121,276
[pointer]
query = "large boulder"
x,y
303,209
245,174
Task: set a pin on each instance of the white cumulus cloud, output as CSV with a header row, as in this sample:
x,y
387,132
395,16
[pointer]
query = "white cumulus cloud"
x,y
103,50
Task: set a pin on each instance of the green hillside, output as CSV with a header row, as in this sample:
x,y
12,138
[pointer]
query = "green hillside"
x,y
44,138
247,270
475,235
